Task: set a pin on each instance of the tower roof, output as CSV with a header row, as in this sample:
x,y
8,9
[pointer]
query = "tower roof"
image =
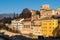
x,y
45,6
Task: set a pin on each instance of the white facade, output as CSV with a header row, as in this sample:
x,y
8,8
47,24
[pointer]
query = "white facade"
x,y
16,25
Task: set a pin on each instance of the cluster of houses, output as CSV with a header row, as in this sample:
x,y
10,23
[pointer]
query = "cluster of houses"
x,y
37,25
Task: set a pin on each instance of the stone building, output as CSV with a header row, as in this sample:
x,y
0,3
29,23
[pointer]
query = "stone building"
x,y
26,29
33,15
44,27
16,24
37,28
58,11
26,26
46,11
45,6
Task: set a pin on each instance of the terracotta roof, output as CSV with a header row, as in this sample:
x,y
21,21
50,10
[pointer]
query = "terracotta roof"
x,y
27,19
18,19
46,18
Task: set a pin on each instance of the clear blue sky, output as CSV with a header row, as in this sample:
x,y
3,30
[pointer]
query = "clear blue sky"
x,y
10,6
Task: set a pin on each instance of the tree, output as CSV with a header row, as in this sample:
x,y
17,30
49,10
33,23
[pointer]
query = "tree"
x,y
17,15
25,13
7,20
56,32
14,17
2,26
56,16
38,13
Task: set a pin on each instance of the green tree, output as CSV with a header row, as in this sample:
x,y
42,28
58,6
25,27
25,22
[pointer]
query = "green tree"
x,y
7,20
2,26
56,32
25,13
38,13
15,15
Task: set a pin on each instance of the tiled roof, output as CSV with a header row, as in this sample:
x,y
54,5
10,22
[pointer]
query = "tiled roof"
x,y
46,18
27,19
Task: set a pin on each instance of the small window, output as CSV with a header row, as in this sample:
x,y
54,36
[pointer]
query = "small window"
x,y
50,23
50,31
38,32
53,27
49,27
45,24
53,23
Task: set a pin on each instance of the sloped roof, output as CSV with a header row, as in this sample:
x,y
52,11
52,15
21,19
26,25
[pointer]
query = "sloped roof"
x,y
46,18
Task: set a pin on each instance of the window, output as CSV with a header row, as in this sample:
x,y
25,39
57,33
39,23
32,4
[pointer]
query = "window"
x,y
50,23
39,32
26,26
56,23
53,27
49,27
45,27
50,31
32,28
45,23
53,23
37,25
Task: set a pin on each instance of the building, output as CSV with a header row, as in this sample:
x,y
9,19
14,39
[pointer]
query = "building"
x,y
16,24
37,28
58,11
43,26
33,15
48,25
26,29
45,6
46,11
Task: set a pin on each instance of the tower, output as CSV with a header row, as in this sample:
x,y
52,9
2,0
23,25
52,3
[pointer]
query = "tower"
x,y
45,11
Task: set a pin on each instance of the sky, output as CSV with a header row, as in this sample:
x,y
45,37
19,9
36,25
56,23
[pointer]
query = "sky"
x,y
11,6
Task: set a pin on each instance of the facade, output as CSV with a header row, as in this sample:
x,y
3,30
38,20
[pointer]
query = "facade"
x,y
37,28
54,12
42,26
33,15
46,28
26,27
46,11
16,24
45,6
58,11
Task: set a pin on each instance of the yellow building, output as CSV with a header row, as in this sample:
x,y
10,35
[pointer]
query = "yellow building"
x,y
46,27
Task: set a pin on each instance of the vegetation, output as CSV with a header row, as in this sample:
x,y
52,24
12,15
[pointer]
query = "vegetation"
x,y
58,20
38,13
15,16
25,13
56,32
2,26
6,20
56,16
